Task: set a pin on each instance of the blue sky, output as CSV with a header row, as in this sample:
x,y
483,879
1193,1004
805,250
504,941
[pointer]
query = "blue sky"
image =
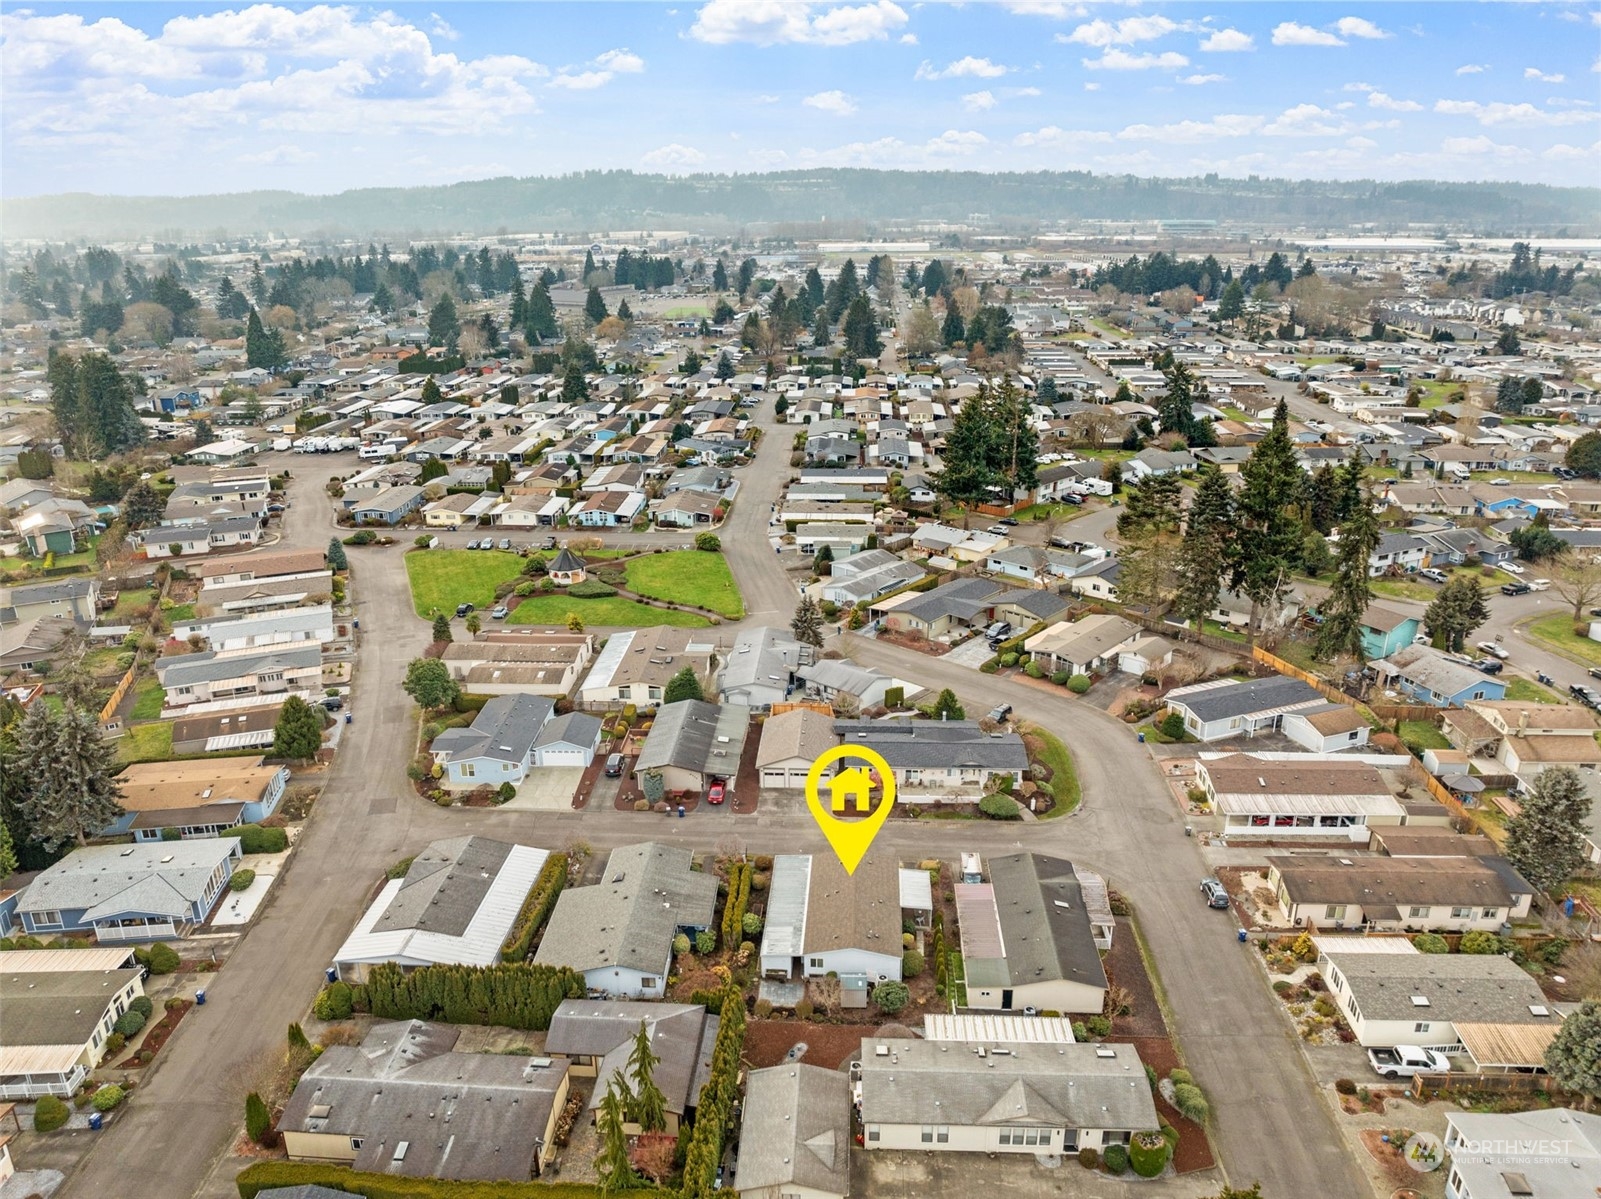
x,y
181,99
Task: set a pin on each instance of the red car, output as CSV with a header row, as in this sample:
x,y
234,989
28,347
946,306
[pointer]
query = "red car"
x,y
715,793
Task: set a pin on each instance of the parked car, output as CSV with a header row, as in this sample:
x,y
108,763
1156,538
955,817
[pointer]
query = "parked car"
x,y
471,545
1216,896
333,703
499,612
1008,521
1512,568
463,609
1587,696
1563,472
1515,589
550,542
614,766
717,792
505,543
1491,648
1000,712
1406,1060
1434,576
1487,666
998,530
1595,672
1076,500
1539,584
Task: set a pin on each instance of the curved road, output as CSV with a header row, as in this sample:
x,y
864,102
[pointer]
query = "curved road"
x,y
1269,1123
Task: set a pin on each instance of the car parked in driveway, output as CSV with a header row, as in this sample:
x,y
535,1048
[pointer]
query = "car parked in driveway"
x,y
1491,648
717,792
1216,896
1515,589
1585,695
499,612
1434,576
1487,666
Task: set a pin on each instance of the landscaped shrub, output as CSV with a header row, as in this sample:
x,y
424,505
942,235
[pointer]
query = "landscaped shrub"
x,y
751,924
1148,1153
257,1118
513,994
115,1044
255,839
1191,1103
536,908
705,941
162,958
1150,1075
333,1002
108,1097
911,964
1034,670
241,880
50,1114
129,1023
1079,684
1479,941
591,589
803,1009
1080,1033
1180,1078
1171,726
1345,1086
1089,1158
680,944
1000,807
1008,660
891,996
142,1005
505,793
1099,1026
1061,678
1116,1158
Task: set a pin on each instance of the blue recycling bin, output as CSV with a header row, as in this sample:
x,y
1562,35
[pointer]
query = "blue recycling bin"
x,y
331,973
200,997
1241,934
680,811
1142,738
96,1121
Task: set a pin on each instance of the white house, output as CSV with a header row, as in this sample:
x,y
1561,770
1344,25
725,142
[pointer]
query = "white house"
x,y
1327,728
1551,1154
1240,708
58,1019
821,920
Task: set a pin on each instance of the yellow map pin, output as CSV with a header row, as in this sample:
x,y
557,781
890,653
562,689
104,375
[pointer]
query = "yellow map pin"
x,y
852,788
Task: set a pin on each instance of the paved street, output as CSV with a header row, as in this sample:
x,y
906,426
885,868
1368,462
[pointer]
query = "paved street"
x,y
1269,1123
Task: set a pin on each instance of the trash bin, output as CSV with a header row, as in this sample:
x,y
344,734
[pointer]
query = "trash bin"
x,y
1189,831
1142,738
200,997
1241,934
348,716
96,1121
356,622
331,973
680,811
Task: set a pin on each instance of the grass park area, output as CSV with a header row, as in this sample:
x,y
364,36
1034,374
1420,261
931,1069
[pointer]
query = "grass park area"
x,y
146,743
688,577
607,611
1109,328
1556,630
1404,589
686,312
441,579
1437,393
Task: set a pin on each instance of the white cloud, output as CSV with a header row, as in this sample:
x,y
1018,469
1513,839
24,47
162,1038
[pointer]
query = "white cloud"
x,y
1537,73
581,81
955,141
963,68
1201,80
1358,87
1058,138
979,101
1121,60
1563,152
1101,33
1184,132
1361,143
1092,87
1479,147
775,22
672,157
836,102
1027,91
908,39
621,62
1358,27
601,70
1500,113
1306,120
1473,68
1044,8
1289,33
1227,41
1378,99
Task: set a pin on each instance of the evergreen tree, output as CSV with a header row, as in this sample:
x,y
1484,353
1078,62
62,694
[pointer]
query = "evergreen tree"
x,y
692,364
1323,499
298,733
807,624
1232,304
823,562
724,369
1456,612
814,288
142,507
595,306
517,316
1352,591
615,1170
264,347
1574,1055
8,852
66,769
442,627
1014,444
648,1106
1208,529
1268,543
540,322
1509,397
1545,841
624,312
683,685
861,331
92,404
1149,528
1507,345
432,468
1046,392
1176,412
573,388
720,276
444,326
336,555
947,707
966,476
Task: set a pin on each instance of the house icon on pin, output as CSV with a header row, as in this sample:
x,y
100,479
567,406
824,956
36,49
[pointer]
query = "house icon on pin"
x,y
855,783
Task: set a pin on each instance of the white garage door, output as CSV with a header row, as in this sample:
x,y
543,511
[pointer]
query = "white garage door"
x,y
562,757
779,776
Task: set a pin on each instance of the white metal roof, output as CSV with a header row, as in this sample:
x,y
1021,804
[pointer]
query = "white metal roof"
x,y
785,931
1006,1030
38,1059
1248,804
55,961
917,890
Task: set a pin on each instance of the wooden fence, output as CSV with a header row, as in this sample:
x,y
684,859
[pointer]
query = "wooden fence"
x,y
1384,711
1427,1086
119,692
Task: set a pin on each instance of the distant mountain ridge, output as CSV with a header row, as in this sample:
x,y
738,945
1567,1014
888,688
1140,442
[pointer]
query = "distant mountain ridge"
x,y
852,199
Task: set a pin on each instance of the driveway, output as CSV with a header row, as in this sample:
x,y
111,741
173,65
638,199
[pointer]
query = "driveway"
x,y
972,653
547,789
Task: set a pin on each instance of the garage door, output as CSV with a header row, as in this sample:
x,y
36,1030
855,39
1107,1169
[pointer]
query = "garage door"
x,y
562,757
778,776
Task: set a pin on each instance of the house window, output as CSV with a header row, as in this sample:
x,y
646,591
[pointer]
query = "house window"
x,y
1491,913
1334,911
872,1132
1461,913
1421,1026
928,1134
942,1134
468,770
1417,912
814,963
47,920
356,1143
647,981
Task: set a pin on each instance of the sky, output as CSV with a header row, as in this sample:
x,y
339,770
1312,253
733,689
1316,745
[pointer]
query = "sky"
x,y
162,99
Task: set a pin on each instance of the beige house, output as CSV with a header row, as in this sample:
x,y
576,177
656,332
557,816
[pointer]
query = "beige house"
x,y
508,662
57,1017
790,743
1410,894
1315,798
636,664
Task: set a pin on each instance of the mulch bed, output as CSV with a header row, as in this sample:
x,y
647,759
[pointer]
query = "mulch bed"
x,y
827,1045
934,649
158,1034
1125,968
1389,1157
1194,1151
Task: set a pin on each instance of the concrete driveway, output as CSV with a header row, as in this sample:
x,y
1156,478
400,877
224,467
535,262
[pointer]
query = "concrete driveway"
x,y
547,789
972,653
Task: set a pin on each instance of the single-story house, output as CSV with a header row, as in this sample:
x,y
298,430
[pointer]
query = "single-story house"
x,y
935,760
203,678
796,1134
512,735
619,932
198,798
456,904
836,680
404,1103
691,742
608,509
1240,708
636,665
1027,940
1033,1098
234,728
389,506
262,629
821,920
75,598
1089,645
790,743
35,643
130,892
1454,895
1503,1155
866,576
57,1021
759,671
1302,797
1426,674
458,510
514,662
1326,728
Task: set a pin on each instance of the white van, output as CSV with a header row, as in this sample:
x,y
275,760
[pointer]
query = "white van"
x,y
371,452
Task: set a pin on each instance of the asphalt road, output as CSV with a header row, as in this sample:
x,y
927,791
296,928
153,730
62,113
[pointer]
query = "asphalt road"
x,y
1269,1123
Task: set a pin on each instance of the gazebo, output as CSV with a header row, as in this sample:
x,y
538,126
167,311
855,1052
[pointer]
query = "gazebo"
x,y
567,568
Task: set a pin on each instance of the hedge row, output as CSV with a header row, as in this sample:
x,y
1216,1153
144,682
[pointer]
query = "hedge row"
x,y
717,1097
270,1175
739,875
536,909
513,994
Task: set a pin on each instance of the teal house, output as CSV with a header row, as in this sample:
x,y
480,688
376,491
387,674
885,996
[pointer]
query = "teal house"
x,y
1384,631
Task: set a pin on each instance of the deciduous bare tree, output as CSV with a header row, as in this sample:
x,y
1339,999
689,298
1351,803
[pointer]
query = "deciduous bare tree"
x,y
1577,579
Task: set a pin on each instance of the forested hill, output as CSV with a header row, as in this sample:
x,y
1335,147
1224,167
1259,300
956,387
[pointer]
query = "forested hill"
x,y
850,200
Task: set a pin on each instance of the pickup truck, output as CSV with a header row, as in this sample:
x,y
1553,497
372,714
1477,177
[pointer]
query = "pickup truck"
x,y
1406,1060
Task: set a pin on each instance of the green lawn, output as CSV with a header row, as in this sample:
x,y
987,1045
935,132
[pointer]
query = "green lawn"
x,y
1437,394
688,577
441,579
148,698
1064,780
613,611
179,613
129,602
146,743
1525,691
1404,589
1042,512
1556,630
1423,734
1108,327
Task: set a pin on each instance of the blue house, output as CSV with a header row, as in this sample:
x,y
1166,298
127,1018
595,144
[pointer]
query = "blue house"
x,y
1429,676
512,735
131,892
1384,631
199,798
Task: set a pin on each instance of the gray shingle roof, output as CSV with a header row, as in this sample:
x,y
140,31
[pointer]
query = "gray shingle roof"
x,y
212,667
444,886
112,879
682,1035
697,736
797,1130
58,1007
933,744
1247,698
1471,986
1045,925
506,730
